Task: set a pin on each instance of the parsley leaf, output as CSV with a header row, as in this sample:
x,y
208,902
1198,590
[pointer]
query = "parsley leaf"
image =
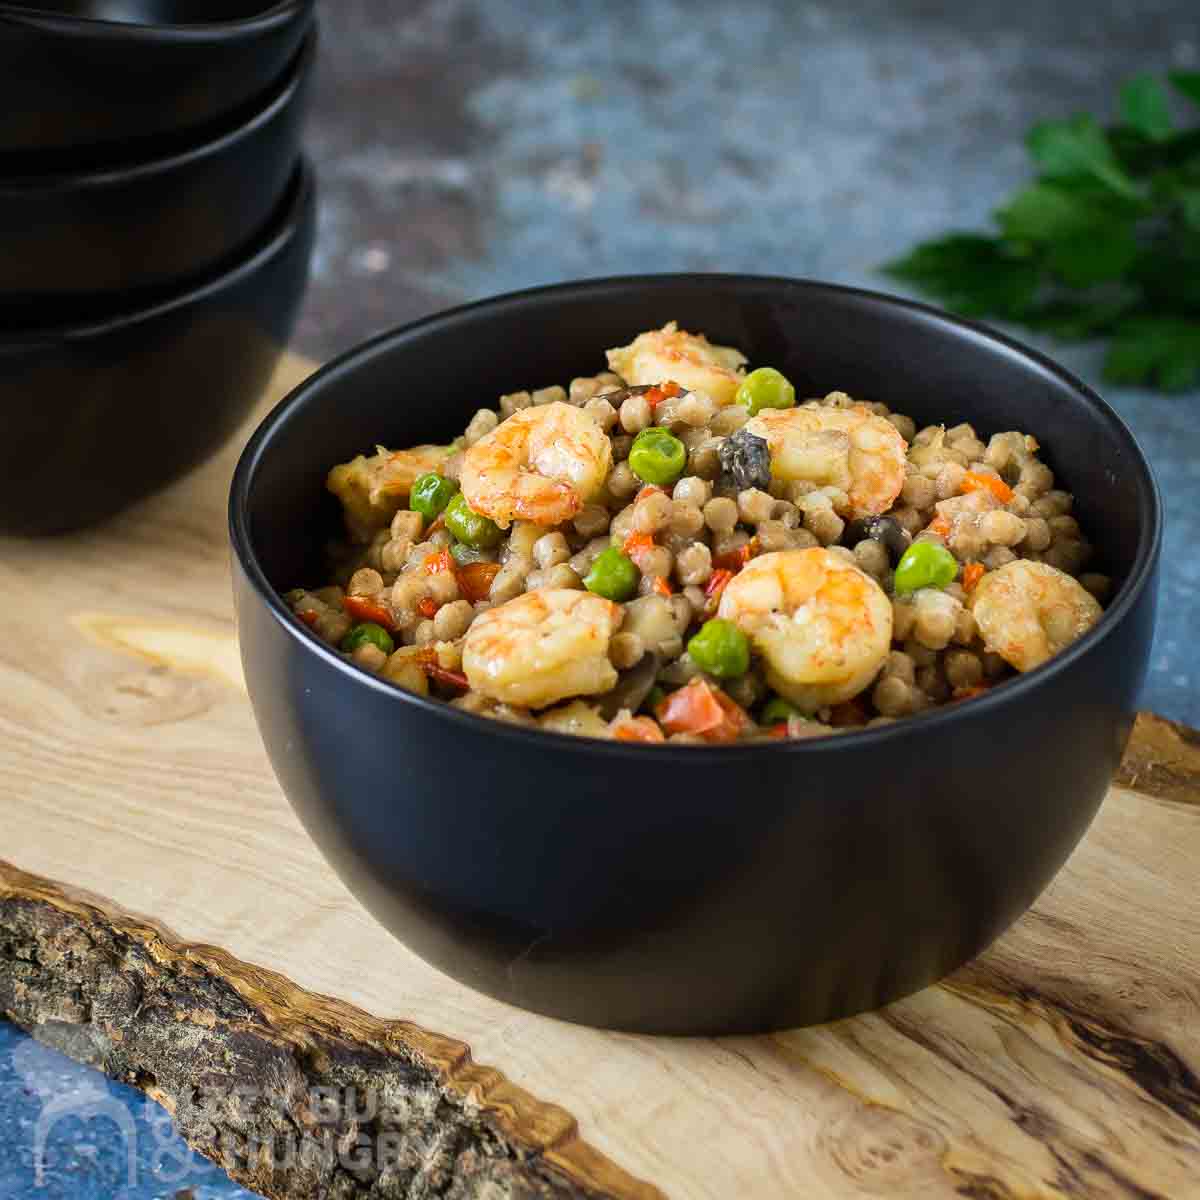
x,y
972,275
1078,147
1161,349
1105,242
1186,83
1144,106
1076,320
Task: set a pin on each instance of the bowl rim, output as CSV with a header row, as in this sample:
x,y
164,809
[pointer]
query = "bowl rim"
x,y
276,422
282,96
274,16
284,227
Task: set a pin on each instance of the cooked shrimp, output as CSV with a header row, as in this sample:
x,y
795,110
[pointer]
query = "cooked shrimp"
x,y
847,448
689,359
541,464
372,490
822,626
1029,611
542,647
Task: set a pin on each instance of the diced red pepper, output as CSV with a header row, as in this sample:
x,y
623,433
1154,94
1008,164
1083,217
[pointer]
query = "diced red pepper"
x,y
661,586
362,609
701,708
309,616
735,560
973,572
445,675
716,584
778,731
974,481
428,607
734,723
427,660
475,579
638,729
694,708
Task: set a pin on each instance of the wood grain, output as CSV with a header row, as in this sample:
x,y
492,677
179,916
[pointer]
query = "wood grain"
x,y
1065,1062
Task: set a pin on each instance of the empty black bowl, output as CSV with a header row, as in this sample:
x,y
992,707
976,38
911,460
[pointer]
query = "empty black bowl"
x,y
86,74
98,416
80,236
679,888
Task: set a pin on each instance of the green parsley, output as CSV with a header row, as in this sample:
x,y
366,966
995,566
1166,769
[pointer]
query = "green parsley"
x,y
1104,244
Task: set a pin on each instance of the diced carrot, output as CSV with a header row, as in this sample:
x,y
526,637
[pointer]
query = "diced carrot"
x,y
475,579
636,545
974,481
661,586
969,693
778,731
428,607
649,490
309,616
438,562
694,708
654,396
973,572
638,729
671,388
362,609
849,712
940,525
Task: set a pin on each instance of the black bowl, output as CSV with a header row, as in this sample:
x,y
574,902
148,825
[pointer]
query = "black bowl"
x,y
86,74
98,416
88,234
689,889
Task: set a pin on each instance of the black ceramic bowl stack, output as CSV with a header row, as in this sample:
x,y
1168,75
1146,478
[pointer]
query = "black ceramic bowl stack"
x,y
157,219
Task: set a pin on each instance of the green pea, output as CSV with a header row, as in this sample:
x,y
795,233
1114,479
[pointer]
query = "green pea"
x,y
430,494
721,649
612,576
657,456
925,564
464,555
471,527
766,388
778,709
368,631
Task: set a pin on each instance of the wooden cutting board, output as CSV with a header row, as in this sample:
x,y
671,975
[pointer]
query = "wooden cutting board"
x,y
1065,1062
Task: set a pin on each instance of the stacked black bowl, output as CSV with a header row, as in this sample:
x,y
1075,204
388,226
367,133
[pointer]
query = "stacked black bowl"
x,y
157,219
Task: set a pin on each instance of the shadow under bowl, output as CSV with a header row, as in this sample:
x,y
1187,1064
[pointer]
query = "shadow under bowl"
x,y
117,75
682,889
99,416
87,237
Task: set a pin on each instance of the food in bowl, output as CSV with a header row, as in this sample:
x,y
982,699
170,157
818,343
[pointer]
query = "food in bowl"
x,y
676,549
